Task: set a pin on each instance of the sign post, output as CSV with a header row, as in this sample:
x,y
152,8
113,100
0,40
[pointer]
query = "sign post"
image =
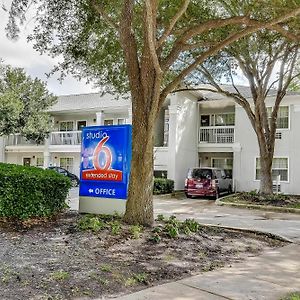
x,y
104,169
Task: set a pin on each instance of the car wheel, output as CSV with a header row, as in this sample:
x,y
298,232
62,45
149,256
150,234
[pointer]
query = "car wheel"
x,y
74,182
229,190
188,196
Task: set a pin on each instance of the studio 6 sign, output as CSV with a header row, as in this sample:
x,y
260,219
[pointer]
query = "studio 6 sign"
x,y
105,161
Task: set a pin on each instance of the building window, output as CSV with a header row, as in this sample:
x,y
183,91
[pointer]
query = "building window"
x,y
40,162
108,122
121,121
223,163
160,174
225,119
66,163
279,167
80,125
166,128
282,117
66,126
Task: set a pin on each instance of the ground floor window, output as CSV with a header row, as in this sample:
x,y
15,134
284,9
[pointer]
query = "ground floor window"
x,y
223,163
160,174
279,167
66,163
40,161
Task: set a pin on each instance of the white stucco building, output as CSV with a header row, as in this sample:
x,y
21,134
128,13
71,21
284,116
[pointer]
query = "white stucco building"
x,y
193,129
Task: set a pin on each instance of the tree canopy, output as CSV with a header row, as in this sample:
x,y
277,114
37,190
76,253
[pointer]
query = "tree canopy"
x,y
23,104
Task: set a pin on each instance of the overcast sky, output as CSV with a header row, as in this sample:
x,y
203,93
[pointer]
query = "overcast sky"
x,y
21,54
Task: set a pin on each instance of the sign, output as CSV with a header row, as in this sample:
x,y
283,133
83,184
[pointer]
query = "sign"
x,y
105,161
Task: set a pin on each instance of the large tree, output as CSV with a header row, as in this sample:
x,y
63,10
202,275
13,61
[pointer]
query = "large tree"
x,y
137,45
23,102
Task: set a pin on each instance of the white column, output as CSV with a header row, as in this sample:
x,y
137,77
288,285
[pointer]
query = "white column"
x,y
237,161
172,147
129,120
2,149
46,153
99,118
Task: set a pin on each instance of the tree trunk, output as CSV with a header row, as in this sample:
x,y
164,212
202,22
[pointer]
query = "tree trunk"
x,y
139,207
266,182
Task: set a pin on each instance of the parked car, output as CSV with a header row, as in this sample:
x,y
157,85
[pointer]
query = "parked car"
x,y
207,182
74,179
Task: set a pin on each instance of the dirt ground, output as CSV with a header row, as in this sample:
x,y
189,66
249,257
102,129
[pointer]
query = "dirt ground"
x,y
288,201
59,261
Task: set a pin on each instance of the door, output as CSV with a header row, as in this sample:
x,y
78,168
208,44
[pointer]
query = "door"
x,y
26,161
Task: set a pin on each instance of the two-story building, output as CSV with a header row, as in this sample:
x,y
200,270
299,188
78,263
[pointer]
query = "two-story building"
x,y
193,129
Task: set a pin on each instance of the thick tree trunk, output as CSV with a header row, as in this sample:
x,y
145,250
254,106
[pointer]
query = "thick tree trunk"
x,y
139,208
266,182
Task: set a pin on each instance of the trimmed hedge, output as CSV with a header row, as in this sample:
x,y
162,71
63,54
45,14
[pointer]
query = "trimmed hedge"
x,y
27,192
163,186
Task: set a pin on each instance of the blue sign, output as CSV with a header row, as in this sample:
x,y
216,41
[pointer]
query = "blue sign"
x,y
105,161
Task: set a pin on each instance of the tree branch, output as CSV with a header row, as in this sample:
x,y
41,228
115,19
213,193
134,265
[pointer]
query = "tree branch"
x,y
101,11
173,22
150,32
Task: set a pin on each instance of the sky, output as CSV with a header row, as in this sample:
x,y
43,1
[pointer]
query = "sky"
x,y
21,54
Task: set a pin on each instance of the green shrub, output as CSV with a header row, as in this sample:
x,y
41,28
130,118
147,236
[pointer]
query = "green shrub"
x,y
163,186
27,192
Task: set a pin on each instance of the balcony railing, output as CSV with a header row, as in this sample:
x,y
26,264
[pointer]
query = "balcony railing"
x,y
55,138
65,138
18,140
217,134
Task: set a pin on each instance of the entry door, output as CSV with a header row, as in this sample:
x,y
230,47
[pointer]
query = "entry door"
x,y
26,161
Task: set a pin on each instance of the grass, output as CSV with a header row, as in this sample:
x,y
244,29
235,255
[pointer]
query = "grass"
x,y
60,275
292,296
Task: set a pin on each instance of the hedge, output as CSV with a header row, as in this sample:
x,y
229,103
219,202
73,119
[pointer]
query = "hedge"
x,y
27,192
163,186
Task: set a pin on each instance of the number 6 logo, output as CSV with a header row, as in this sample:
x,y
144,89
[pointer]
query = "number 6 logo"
x,y
108,156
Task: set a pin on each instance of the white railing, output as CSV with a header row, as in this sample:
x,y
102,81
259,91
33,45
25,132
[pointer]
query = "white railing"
x,y
216,134
18,140
65,138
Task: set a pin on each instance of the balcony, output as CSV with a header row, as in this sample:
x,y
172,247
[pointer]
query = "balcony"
x,y
216,134
55,138
65,138
18,140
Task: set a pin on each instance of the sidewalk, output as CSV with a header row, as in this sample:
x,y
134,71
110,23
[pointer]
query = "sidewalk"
x,y
269,276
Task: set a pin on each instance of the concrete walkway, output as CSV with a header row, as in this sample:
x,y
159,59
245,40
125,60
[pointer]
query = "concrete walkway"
x,y
268,276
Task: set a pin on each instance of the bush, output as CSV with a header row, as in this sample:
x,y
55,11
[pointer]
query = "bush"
x,y
163,186
27,192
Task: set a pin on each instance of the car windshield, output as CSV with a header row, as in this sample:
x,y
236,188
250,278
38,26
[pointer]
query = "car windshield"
x,y
202,173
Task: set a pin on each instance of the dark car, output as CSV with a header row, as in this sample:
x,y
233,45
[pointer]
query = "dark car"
x,y
207,182
74,179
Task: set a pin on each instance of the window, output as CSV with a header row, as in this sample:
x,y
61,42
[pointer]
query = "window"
x,y
282,116
108,122
223,163
205,120
121,121
66,126
80,125
40,161
279,167
66,163
224,119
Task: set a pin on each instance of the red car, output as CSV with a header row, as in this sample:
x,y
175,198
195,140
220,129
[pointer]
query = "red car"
x,y
207,182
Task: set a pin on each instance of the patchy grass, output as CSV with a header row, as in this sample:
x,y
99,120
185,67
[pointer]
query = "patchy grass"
x,y
280,200
99,256
292,296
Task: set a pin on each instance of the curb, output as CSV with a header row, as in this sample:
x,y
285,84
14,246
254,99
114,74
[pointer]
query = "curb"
x,y
258,207
171,195
257,232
